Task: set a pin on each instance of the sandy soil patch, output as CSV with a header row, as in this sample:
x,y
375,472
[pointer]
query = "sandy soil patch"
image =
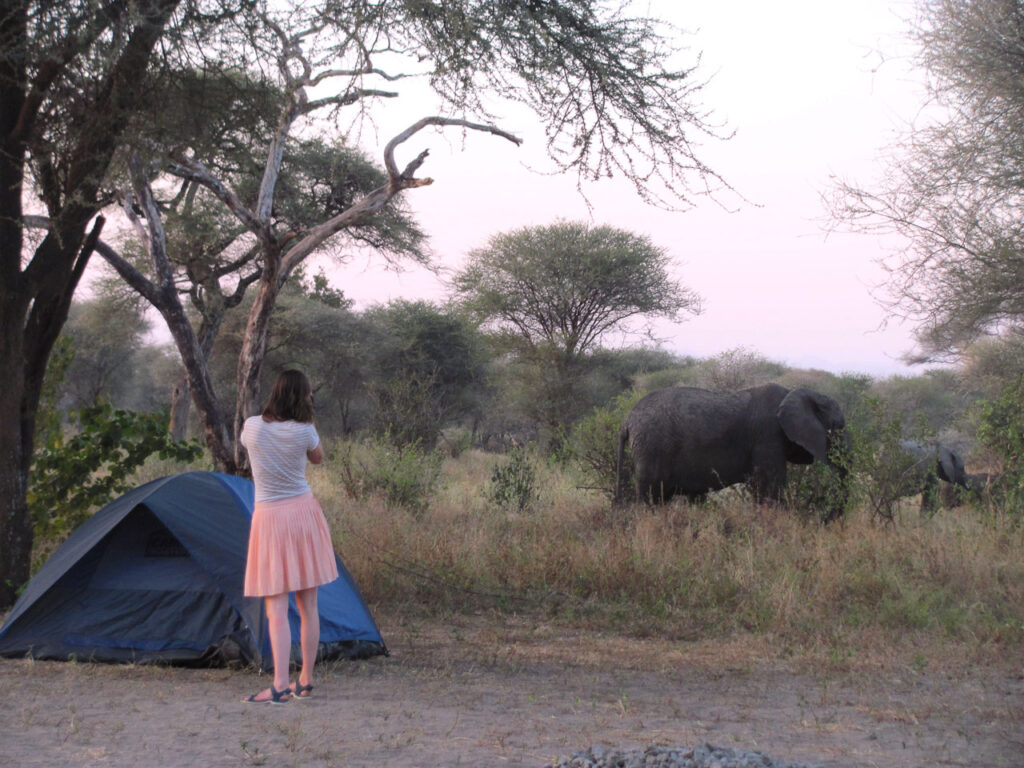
x,y
487,692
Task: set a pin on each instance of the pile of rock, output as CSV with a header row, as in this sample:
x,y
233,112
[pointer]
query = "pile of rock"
x,y
704,756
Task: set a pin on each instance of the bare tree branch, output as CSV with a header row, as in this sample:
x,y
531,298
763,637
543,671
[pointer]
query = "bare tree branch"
x,y
192,169
375,201
389,150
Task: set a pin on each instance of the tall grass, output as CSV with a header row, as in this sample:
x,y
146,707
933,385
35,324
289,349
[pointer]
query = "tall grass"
x,y
683,571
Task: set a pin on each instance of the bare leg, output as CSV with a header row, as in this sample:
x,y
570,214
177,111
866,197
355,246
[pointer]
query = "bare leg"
x,y
280,641
310,633
280,645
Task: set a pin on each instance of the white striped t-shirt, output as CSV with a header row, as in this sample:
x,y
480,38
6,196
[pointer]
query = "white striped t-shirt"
x,y
277,453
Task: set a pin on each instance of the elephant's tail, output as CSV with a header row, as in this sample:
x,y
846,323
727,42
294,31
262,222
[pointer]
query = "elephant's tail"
x,y
620,465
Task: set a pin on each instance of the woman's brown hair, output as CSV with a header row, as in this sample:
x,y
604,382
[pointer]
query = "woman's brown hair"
x,y
291,399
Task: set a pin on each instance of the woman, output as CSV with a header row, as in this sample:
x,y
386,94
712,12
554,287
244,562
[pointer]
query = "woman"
x,y
289,543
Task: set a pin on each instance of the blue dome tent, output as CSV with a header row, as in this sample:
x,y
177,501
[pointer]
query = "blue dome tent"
x,y
156,576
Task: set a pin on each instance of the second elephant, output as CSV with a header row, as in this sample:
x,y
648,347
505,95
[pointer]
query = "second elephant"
x,y
927,464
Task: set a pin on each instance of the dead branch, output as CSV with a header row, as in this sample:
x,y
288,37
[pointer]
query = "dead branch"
x,y
389,150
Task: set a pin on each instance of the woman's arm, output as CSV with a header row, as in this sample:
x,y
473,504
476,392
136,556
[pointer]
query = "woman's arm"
x,y
316,455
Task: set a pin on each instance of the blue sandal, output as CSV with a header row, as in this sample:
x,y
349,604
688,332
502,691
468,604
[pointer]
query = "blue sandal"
x,y
276,697
304,691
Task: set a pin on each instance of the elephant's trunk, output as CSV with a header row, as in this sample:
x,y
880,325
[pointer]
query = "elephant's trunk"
x,y
840,458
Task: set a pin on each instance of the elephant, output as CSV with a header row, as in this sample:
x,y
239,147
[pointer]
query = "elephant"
x,y
927,463
982,483
688,441
985,487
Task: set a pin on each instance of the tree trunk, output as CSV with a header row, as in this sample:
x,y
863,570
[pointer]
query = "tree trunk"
x,y
253,353
181,399
24,355
15,532
215,425
15,525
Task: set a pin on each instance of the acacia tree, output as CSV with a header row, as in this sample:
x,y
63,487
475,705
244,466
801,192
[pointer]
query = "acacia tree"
x,y
600,84
954,187
554,292
214,255
203,247
221,114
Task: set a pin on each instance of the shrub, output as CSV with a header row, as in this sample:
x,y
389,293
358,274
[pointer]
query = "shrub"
x,y
409,411
456,440
514,484
884,469
406,476
668,377
72,476
595,444
816,492
1002,431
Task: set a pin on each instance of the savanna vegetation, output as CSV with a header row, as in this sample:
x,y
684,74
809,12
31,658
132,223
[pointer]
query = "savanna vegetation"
x,y
163,114
471,445
444,494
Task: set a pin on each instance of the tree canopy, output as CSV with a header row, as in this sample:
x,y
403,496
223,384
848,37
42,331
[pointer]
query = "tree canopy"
x,y
568,284
954,186
553,293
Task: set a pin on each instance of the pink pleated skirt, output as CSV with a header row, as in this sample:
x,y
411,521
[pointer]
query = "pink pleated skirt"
x,y
289,547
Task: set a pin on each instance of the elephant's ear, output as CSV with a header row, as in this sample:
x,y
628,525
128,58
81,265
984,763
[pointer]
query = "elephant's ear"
x,y
950,465
806,417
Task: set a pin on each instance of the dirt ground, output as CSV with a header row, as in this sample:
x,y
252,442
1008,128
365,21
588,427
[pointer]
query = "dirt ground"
x,y
487,692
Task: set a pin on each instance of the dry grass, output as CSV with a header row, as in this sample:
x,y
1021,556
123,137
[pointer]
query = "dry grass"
x,y
724,571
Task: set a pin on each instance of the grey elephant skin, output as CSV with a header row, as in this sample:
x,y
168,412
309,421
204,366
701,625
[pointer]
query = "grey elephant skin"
x,y
985,487
688,441
930,463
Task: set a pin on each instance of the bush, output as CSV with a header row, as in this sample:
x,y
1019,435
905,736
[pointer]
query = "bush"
x,y
72,476
595,444
884,470
456,440
514,483
816,492
409,411
685,376
406,476
1002,431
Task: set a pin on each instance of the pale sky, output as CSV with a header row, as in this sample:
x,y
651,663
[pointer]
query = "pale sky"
x,y
803,86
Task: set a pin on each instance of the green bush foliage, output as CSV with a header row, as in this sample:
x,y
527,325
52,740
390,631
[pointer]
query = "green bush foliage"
x,y
667,377
816,492
884,470
1001,430
72,476
514,483
405,475
595,444
456,441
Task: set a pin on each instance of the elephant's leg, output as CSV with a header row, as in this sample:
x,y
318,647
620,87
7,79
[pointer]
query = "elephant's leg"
x,y
768,481
648,491
661,493
949,496
652,487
